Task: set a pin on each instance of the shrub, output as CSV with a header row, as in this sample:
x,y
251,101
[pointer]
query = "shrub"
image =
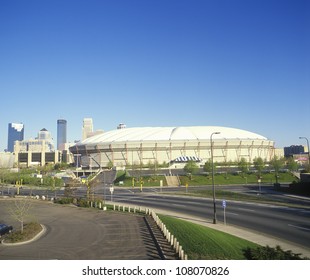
x,y
268,253
30,230
64,200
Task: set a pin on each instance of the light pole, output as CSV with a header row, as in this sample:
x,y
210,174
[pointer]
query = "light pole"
x,y
308,148
100,170
213,187
77,163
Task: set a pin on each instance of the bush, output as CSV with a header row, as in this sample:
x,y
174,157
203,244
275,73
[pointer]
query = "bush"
x,y
268,253
29,232
64,200
82,202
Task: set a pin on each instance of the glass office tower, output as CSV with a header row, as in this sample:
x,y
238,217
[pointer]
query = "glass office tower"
x,y
61,134
15,133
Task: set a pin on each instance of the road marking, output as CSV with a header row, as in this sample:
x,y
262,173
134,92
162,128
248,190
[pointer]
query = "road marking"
x,y
174,204
247,210
290,225
230,213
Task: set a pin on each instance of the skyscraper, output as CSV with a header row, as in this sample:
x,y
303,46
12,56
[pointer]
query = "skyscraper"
x,y
15,133
88,128
61,134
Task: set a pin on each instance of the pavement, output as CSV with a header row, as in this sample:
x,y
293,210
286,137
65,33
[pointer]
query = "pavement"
x,y
246,234
73,233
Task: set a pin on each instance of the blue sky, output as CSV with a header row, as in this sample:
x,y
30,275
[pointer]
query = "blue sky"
x,y
234,63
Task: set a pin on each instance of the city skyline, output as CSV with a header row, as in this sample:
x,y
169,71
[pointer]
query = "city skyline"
x,y
240,64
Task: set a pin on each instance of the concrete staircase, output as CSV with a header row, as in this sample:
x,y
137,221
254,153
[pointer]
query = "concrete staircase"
x,y
172,181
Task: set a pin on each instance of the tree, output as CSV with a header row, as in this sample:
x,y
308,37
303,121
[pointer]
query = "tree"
x,y
20,211
191,167
277,163
292,165
259,165
207,166
243,166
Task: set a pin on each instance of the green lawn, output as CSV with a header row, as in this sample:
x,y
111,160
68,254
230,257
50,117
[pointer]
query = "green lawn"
x,y
198,179
203,243
222,179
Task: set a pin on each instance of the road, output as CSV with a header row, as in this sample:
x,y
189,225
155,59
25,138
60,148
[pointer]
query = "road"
x,y
282,222
291,224
74,233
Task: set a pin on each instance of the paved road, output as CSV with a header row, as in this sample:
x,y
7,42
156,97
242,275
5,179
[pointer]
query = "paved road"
x,y
285,223
78,233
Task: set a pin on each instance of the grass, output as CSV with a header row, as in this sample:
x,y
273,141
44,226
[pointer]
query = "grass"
x,y
29,232
203,243
223,179
199,179
224,194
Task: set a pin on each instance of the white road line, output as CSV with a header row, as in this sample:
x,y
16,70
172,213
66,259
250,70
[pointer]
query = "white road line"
x,y
230,213
247,210
290,225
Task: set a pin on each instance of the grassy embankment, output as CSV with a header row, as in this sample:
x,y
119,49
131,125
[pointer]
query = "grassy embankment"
x,y
201,242
199,180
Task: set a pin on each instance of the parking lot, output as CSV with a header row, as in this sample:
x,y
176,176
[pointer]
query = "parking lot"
x,y
74,233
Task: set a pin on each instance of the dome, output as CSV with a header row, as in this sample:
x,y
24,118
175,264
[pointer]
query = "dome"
x,y
181,133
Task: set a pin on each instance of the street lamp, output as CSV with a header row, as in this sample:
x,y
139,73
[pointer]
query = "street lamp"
x,y
308,148
213,187
77,163
100,170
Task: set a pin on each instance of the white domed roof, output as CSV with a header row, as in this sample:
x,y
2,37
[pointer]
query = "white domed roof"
x,y
184,133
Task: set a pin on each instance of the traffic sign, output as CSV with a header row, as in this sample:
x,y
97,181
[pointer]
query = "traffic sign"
x,y
224,206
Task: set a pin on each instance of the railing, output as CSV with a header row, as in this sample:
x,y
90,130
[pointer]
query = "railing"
x,y
172,240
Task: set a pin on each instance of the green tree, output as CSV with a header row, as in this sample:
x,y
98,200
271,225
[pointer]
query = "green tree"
x,y
207,166
291,164
259,165
277,163
191,167
243,166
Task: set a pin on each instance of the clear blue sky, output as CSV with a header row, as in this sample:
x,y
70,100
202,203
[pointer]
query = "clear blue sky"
x,y
234,63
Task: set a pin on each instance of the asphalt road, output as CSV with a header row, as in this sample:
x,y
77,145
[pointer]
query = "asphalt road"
x,y
282,222
289,224
78,233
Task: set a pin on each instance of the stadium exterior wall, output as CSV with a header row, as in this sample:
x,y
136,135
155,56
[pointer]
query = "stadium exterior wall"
x,y
133,152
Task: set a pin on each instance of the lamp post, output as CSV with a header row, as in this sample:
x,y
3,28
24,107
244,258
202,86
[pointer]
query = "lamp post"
x,y
77,163
308,148
100,170
213,187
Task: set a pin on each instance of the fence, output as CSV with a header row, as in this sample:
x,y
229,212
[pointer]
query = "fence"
x,y
172,240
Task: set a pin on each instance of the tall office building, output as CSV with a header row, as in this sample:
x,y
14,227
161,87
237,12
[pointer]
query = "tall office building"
x,y
61,134
15,133
88,128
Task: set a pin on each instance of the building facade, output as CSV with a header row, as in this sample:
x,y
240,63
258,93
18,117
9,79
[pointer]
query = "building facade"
x,y
294,150
61,134
88,128
144,145
15,133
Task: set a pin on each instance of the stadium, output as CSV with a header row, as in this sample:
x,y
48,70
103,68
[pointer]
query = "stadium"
x,y
173,145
